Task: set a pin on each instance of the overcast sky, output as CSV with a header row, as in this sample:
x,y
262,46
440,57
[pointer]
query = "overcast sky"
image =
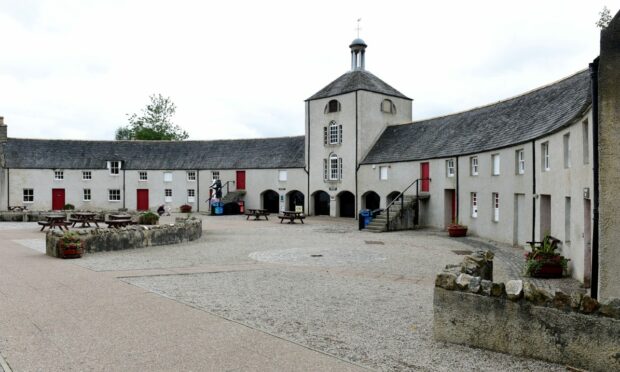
x,y
237,69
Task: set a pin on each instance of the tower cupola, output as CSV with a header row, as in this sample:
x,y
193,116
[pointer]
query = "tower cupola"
x,y
358,51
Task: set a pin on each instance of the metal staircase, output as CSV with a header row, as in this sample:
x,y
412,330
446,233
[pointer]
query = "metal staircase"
x,y
402,213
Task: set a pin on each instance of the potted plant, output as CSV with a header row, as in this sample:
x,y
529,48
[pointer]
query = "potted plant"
x,y
70,245
544,262
186,208
148,218
456,230
69,207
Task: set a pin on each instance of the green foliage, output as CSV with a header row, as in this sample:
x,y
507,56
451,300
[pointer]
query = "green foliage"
x,y
604,18
544,254
70,237
68,207
154,123
148,218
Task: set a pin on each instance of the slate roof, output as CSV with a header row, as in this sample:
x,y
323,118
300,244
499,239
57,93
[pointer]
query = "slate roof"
x,y
357,80
266,153
506,123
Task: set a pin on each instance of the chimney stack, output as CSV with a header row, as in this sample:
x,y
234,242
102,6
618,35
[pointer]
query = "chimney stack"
x,y
3,130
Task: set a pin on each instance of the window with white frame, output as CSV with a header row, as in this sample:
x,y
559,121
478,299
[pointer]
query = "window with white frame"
x,y
86,195
167,176
495,207
191,195
473,165
520,160
114,167
28,196
87,175
566,141
143,176
450,167
114,195
586,142
168,195
282,176
495,163
335,133
474,204
191,175
383,173
335,167
215,175
59,175
544,149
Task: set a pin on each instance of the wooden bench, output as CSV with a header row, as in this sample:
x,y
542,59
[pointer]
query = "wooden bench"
x,y
115,224
51,225
291,217
257,213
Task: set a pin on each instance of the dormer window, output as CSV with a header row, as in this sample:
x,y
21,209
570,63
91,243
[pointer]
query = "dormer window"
x,y
114,167
388,106
332,106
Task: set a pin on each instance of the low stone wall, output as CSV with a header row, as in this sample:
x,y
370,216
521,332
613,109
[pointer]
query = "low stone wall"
x,y
520,319
135,236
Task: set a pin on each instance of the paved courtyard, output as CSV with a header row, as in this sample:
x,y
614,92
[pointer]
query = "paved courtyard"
x,y
249,295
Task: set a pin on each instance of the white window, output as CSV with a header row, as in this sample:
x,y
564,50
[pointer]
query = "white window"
x,y
191,195
520,161
495,161
168,195
566,139
114,167
473,162
282,176
191,175
215,175
495,207
143,176
167,176
59,175
335,167
586,142
87,196
28,196
383,173
114,195
87,175
335,133
450,167
545,156
474,204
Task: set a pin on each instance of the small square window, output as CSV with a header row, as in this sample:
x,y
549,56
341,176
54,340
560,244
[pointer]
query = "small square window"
x,y
191,195
450,167
495,207
282,176
520,158
143,176
28,196
167,176
383,173
59,175
87,175
168,195
191,175
114,167
87,196
114,195
544,148
473,162
215,175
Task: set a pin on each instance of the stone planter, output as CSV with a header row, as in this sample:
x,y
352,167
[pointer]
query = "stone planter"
x,y
549,270
70,250
456,231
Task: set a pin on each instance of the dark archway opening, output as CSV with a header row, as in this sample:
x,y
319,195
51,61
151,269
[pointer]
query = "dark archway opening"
x,y
271,201
346,204
391,196
295,199
371,200
321,203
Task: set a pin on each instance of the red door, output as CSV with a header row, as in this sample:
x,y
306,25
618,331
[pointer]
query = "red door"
x,y
143,199
240,180
58,199
425,172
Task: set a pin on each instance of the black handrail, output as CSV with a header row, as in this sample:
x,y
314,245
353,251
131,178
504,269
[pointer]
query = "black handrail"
x,y
227,191
401,196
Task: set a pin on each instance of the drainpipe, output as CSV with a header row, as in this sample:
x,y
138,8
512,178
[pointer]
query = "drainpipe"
x,y
595,177
456,212
534,191
308,162
197,190
356,167
124,186
8,188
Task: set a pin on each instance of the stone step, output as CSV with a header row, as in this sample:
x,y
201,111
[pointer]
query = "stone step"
x,y
375,228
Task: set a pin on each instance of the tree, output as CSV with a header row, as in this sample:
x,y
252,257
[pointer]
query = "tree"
x,y
605,18
154,123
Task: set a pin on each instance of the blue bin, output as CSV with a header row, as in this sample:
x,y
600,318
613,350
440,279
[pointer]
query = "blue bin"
x,y
365,218
219,208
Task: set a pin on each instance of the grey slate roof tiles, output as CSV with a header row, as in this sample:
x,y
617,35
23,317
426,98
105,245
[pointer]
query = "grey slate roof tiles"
x,y
356,80
283,152
510,122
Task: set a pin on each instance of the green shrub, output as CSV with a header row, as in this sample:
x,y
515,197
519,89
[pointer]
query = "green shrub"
x,y
68,207
148,218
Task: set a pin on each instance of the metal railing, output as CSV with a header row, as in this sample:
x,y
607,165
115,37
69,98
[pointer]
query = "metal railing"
x,y
401,197
227,184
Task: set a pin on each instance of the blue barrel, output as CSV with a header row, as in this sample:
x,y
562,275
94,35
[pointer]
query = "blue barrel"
x,y
219,208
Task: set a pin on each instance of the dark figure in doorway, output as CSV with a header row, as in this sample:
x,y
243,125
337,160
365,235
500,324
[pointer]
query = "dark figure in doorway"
x,y
217,186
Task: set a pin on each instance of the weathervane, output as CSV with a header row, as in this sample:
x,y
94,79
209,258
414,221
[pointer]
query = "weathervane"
x,y
358,27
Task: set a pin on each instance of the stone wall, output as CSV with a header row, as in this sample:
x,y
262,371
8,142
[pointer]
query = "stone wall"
x,y
135,236
521,319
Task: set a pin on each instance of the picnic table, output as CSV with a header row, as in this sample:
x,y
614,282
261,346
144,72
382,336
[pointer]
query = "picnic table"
x,y
85,218
53,221
120,217
291,216
118,223
257,213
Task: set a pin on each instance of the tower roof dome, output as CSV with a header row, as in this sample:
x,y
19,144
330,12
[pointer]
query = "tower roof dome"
x,y
358,42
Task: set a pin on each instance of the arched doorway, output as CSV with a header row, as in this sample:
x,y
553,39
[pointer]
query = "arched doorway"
x,y
270,201
346,204
391,196
294,199
371,200
321,203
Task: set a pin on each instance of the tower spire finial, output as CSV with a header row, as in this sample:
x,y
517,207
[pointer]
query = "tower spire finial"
x,y
358,27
